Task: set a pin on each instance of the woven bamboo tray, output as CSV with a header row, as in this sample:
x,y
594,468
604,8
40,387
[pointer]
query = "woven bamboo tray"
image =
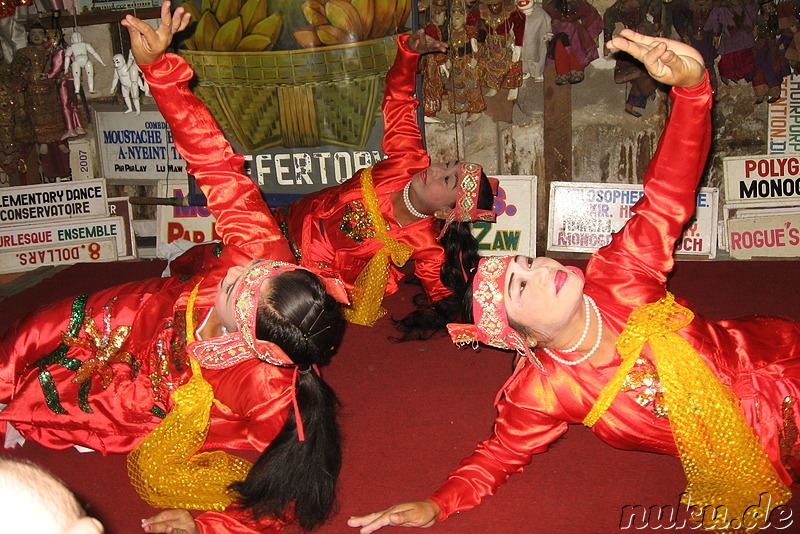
x,y
295,98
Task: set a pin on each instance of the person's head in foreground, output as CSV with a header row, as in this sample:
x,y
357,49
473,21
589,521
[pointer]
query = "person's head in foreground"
x,y
34,501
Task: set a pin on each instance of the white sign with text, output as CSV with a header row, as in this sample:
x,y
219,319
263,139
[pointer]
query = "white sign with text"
x,y
583,216
136,148
46,203
514,232
192,223
87,251
765,236
767,180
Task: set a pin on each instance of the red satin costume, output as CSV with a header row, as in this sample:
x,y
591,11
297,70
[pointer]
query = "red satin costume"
x,y
757,358
139,339
315,221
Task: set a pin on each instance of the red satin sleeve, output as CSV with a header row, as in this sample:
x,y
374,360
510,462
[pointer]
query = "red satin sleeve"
x,y
646,243
401,130
243,218
523,427
428,259
252,403
234,521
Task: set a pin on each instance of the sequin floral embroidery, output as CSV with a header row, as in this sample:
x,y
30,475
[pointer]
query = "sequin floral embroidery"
x,y
106,345
644,379
357,223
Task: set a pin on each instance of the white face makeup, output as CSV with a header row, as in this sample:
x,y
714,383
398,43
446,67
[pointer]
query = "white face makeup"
x,y
436,187
227,291
225,302
544,296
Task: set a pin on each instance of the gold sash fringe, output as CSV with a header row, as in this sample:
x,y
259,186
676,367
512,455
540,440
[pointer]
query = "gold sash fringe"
x,y
370,285
721,455
165,468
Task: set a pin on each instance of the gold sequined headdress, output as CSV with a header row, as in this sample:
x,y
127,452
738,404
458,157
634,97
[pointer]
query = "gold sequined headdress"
x,y
234,347
489,312
469,187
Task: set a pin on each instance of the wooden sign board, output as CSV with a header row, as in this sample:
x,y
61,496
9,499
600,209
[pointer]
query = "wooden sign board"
x,y
195,224
136,148
583,216
766,180
514,232
48,203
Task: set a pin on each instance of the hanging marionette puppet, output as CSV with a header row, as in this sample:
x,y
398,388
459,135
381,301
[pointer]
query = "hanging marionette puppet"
x,y
77,55
642,16
499,65
73,121
136,74
434,65
536,35
123,79
576,26
466,95
33,65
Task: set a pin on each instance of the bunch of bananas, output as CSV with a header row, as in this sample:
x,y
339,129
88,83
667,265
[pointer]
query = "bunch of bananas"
x,y
348,21
232,26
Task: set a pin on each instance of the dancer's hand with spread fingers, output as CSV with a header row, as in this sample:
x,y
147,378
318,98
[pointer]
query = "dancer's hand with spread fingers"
x,y
148,44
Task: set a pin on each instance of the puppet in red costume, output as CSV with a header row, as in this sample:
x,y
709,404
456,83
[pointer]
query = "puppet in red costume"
x,y
645,372
499,65
136,367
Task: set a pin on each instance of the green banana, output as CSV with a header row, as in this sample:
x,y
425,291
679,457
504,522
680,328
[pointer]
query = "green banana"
x,y
227,10
205,31
383,22
269,27
401,13
253,12
343,14
332,35
366,10
191,8
228,36
253,43
307,37
314,11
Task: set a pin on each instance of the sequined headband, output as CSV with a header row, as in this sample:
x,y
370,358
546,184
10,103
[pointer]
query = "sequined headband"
x,y
247,307
469,187
234,347
491,321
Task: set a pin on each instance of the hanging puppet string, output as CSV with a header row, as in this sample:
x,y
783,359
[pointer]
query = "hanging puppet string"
x,y
453,53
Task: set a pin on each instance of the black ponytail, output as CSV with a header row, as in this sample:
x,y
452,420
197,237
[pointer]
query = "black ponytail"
x,y
295,479
461,260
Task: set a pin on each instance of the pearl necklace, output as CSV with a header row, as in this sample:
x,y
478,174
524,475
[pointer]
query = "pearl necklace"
x,y
587,302
409,206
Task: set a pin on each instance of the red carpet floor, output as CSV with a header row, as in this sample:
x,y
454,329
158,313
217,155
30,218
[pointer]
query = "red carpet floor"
x,y
412,411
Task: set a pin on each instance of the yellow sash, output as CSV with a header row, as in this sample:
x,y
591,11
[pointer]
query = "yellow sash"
x,y
165,468
721,456
370,285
